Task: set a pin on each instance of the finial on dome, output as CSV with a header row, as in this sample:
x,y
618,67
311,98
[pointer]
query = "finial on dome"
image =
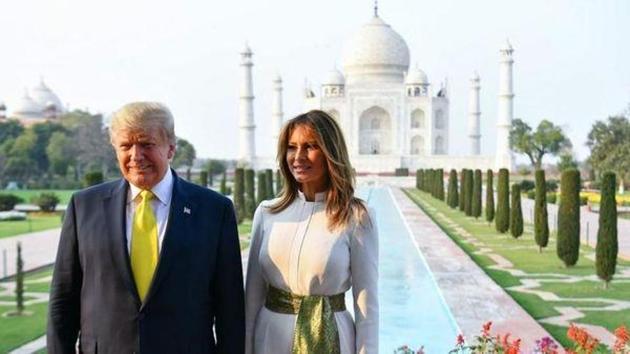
x,y
375,8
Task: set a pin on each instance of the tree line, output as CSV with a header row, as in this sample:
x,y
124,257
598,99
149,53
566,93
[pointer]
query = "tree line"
x,y
465,194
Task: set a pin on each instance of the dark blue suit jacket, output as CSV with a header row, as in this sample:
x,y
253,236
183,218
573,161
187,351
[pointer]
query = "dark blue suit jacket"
x,y
197,286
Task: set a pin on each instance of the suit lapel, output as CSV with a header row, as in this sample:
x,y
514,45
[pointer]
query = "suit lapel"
x,y
177,232
115,214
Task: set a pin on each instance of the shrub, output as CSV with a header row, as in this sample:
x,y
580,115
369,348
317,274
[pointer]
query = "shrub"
x,y
46,201
531,195
223,185
279,182
541,223
239,194
262,187
269,180
8,201
607,247
527,185
401,171
250,196
462,189
552,198
453,197
551,185
476,195
568,245
419,175
489,196
203,178
502,219
583,200
469,193
516,213
92,178
19,280
439,184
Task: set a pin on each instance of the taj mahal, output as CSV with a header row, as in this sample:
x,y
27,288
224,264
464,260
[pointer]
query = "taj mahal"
x,y
392,115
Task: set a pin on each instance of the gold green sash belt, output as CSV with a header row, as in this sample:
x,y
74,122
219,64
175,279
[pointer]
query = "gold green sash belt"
x,y
315,328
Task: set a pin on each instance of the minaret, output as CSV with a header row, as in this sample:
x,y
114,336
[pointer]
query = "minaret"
x,y
474,114
276,111
503,158
247,147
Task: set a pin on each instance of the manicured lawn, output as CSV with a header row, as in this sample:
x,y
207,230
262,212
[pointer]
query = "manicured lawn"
x,y
63,194
18,330
523,254
244,231
34,222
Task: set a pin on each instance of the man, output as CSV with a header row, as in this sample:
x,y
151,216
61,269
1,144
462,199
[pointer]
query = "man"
x,y
149,263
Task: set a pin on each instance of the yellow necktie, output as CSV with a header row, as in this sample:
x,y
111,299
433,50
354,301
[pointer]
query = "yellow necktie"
x,y
144,244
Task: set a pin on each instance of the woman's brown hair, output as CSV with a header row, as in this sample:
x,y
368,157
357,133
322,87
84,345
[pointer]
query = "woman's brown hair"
x,y
341,204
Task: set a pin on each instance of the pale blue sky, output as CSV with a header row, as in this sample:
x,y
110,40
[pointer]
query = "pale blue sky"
x,y
572,58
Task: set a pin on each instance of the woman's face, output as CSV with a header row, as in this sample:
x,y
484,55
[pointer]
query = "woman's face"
x,y
306,160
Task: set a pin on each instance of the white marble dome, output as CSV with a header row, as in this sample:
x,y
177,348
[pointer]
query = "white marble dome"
x,y
334,77
376,53
416,77
43,96
26,107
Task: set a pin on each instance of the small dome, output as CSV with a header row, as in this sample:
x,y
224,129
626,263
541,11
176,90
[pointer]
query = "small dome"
x,y
376,53
26,107
2,106
334,77
507,46
416,77
43,95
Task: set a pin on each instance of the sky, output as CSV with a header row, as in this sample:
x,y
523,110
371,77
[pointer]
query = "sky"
x,y
572,58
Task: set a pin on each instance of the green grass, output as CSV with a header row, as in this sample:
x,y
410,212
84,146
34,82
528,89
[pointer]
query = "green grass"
x,y
63,194
34,222
244,231
523,254
19,330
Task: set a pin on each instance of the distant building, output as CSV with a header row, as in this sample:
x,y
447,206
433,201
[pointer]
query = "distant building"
x,y
39,104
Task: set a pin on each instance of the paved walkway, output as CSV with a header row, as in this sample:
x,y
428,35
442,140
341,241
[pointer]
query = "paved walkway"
x,y
471,295
38,249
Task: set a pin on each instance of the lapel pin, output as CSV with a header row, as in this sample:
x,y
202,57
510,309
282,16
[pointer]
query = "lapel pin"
x,y
186,210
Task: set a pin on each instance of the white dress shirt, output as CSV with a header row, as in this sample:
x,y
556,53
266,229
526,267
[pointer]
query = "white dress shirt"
x,y
161,204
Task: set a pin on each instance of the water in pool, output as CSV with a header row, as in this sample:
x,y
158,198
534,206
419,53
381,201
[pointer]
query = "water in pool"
x,y
412,310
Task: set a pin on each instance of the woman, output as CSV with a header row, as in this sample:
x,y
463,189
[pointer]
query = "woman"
x,y
309,246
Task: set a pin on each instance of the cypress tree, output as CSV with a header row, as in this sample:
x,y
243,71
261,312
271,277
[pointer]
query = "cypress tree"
x,y
203,178
223,185
440,184
462,189
607,247
261,192
419,179
269,180
468,192
516,213
250,193
279,181
489,196
541,223
568,246
502,218
476,195
432,182
239,194
19,281
453,197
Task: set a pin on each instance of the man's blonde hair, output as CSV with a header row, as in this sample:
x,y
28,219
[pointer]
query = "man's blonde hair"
x,y
141,116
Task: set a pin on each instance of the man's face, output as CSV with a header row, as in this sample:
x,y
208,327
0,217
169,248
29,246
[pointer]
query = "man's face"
x,y
143,156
